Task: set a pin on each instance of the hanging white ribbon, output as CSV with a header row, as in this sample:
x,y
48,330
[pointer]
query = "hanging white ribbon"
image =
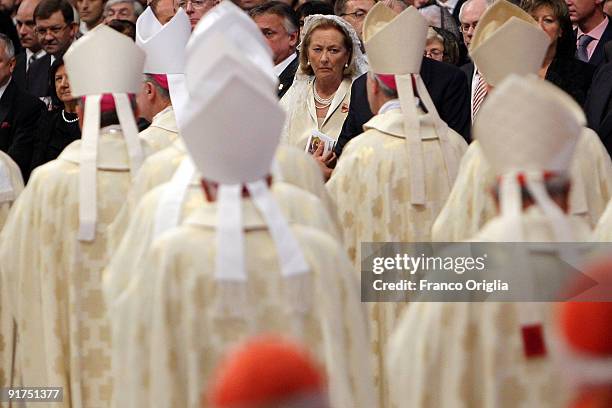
x,y
130,132
179,96
412,131
87,173
230,261
170,206
291,258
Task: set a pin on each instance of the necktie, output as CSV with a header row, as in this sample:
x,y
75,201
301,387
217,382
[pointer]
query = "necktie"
x,y
30,61
581,51
479,94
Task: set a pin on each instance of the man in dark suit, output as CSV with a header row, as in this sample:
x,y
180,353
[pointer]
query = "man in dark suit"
x,y
19,112
56,30
26,28
593,29
447,86
279,25
598,106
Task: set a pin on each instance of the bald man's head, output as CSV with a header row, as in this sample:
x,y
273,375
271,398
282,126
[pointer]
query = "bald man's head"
x,y
469,15
26,25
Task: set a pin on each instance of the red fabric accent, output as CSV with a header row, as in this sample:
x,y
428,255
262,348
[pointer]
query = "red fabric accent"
x,y
533,341
161,80
388,79
587,326
521,177
107,102
262,370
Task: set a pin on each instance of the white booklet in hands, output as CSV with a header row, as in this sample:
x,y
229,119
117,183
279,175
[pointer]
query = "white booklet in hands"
x,y
317,137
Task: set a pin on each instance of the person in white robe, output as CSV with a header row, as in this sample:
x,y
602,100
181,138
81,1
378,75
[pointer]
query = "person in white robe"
x,y
53,245
392,180
163,95
495,354
505,43
11,185
243,41
603,230
242,268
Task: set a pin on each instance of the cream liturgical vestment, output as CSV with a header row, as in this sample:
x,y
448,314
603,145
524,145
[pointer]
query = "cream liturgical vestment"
x,y
292,166
470,355
371,183
11,184
175,313
54,280
603,231
127,265
470,204
163,130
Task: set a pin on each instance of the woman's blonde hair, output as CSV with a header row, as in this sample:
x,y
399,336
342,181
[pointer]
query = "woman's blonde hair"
x,y
325,23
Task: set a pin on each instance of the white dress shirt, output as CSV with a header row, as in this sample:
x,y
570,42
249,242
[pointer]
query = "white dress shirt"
x,y
280,67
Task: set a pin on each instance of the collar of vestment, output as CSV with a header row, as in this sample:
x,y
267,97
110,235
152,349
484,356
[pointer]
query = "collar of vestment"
x,y
112,150
391,122
206,216
165,120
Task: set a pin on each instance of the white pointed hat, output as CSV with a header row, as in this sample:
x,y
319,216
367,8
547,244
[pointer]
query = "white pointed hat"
x,y
241,30
233,144
103,62
163,44
529,127
394,45
165,49
507,41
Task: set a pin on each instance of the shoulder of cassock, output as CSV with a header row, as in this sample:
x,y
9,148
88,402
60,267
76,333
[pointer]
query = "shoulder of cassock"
x,y
297,205
162,132
292,166
470,204
11,185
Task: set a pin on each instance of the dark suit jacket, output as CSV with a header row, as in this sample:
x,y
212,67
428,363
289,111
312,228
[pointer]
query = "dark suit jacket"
x,y
285,79
447,87
19,114
38,77
599,54
8,28
19,73
468,69
598,106
571,75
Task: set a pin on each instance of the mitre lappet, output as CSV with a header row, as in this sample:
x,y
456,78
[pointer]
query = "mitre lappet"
x,y
397,63
234,152
214,54
507,41
105,86
164,46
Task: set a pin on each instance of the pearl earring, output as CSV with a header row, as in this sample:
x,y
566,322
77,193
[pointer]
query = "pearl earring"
x,y
308,63
346,65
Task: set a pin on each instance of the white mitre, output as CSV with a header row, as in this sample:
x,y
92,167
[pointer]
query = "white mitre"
x,y
394,44
91,75
507,41
528,128
236,151
165,49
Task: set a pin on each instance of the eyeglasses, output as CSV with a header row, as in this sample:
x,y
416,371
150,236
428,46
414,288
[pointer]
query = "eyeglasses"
x,y
358,14
196,4
465,27
433,53
55,30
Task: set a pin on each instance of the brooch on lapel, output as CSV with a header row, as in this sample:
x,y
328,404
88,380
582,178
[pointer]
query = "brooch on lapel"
x,y
5,125
280,87
344,108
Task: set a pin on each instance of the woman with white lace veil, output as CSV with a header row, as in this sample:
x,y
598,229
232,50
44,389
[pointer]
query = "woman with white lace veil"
x,y
330,59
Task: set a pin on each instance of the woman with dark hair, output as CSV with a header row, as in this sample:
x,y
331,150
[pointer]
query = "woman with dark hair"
x,y
58,127
559,66
311,7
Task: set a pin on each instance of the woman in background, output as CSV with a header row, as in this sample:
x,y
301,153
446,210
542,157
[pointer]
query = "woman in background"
x,y
58,127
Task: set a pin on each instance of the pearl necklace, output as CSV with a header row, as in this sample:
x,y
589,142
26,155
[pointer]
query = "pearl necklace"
x,y
68,120
322,102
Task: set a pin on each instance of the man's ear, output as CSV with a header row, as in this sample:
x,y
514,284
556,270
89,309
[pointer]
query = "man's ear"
x,y
293,38
74,28
11,65
149,90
